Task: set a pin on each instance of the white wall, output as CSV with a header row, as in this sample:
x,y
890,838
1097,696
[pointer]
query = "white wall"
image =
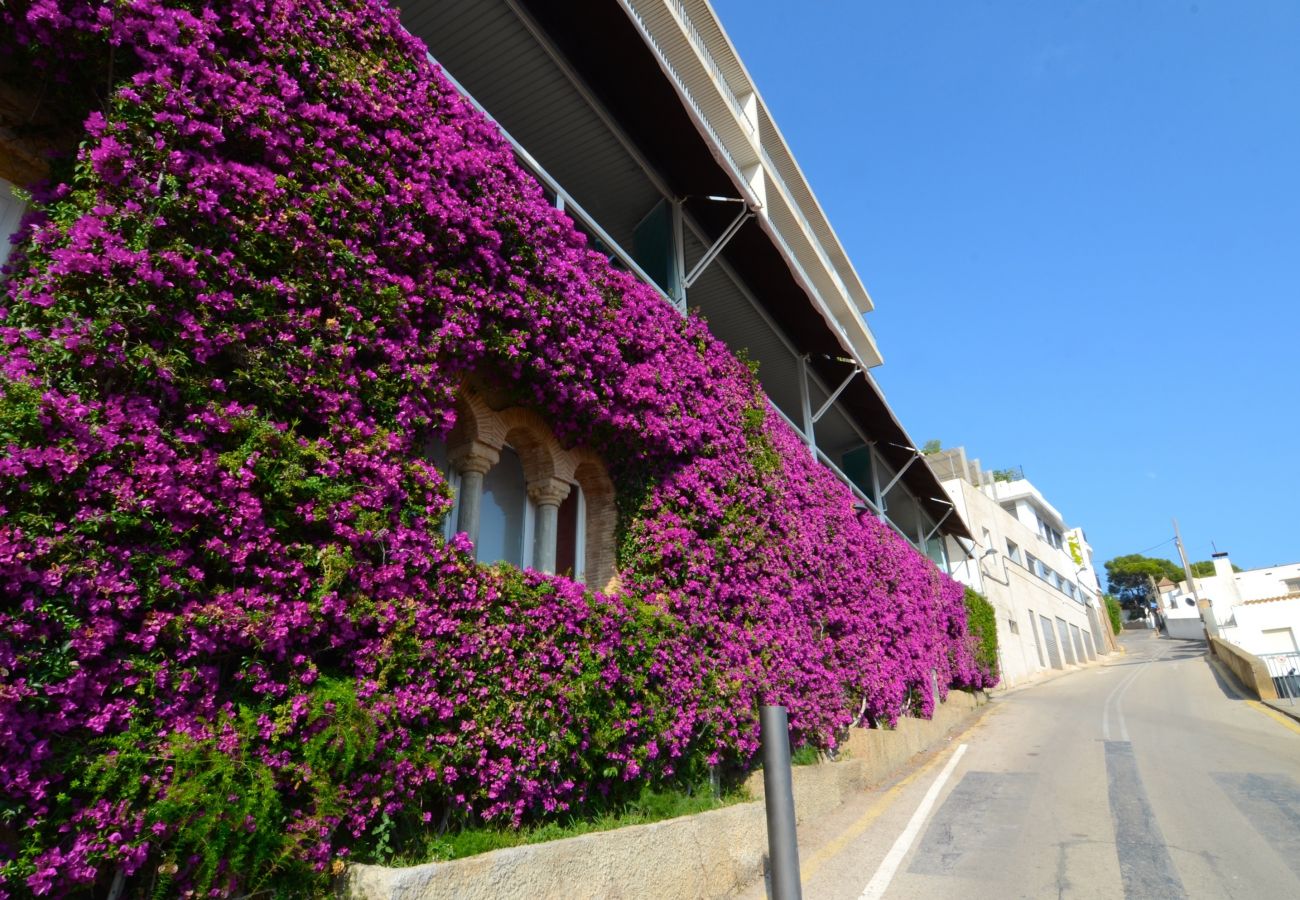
x,y
1259,584
1267,627
1188,628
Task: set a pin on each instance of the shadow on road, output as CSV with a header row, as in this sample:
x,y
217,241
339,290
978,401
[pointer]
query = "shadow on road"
x,y
1178,650
1230,690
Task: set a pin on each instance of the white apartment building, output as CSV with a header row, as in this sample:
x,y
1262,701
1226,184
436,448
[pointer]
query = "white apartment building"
x,y
1035,570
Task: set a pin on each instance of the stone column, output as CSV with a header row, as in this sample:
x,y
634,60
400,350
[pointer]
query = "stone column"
x,y
548,494
472,460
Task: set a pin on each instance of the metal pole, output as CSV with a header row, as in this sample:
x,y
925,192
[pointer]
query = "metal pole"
x,y
778,792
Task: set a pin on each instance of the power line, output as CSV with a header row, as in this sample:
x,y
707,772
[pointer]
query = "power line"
x,y
1161,544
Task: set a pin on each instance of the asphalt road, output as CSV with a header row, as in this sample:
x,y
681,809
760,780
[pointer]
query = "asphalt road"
x,y
1147,777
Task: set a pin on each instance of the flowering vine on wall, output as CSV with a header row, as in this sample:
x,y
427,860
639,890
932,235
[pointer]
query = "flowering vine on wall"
x,y
234,648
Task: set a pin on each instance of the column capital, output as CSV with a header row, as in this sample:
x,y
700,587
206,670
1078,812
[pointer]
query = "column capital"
x,y
548,491
473,456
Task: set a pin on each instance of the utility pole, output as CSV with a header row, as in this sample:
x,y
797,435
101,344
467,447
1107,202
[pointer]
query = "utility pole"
x,y
1202,607
1155,596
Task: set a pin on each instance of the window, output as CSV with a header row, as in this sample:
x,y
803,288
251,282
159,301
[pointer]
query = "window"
x,y
506,515
1292,585
11,216
1013,551
856,465
570,537
1031,563
523,499
655,249
1015,629
1049,534
437,452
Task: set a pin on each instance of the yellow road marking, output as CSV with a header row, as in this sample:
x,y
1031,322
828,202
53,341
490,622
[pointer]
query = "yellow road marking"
x,y
1285,721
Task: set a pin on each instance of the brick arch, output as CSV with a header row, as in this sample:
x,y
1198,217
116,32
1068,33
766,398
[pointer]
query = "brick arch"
x,y
602,515
550,470
540,452
476,421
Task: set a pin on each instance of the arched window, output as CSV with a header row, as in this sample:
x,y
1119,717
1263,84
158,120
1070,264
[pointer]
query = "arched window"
x,y
523,499
506,514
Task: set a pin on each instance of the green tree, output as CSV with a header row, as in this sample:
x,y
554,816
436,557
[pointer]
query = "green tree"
x,y
1205,568
982,622
1129,578
929,448
1115,614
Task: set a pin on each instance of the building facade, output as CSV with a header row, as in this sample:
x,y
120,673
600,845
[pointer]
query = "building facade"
x,y
1036,571
1256,609
643,126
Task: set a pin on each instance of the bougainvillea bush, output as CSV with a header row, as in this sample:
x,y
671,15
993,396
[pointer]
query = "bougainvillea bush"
x,y
235,650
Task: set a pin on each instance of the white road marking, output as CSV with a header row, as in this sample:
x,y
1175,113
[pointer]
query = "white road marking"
x,y
879,882
1115,700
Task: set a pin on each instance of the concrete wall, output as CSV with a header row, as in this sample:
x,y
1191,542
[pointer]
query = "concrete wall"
x,y
714,854
1187,628
1249,670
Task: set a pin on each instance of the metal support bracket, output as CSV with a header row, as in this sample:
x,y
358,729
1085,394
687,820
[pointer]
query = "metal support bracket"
x,y
926,539
835,396
805,407
900,474
718,246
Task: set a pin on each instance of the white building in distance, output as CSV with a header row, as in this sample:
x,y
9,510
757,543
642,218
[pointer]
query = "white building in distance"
x,y
1035,570
1257,609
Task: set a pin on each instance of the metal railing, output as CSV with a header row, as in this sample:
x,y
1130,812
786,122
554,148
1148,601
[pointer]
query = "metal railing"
x,y
562,199
1284,669
791,257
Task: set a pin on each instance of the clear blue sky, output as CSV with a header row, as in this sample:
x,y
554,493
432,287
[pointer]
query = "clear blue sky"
x,y
1080,224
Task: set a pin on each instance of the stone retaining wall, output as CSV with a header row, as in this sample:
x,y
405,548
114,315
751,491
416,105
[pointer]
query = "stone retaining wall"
x,y
1249,670
713,854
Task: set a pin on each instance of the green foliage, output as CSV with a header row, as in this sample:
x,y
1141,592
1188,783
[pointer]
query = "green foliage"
x,y
1075,550
1205,568
1115,612
458,840
982,622
231,808
929,448
1005,474
1129,578
807,755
